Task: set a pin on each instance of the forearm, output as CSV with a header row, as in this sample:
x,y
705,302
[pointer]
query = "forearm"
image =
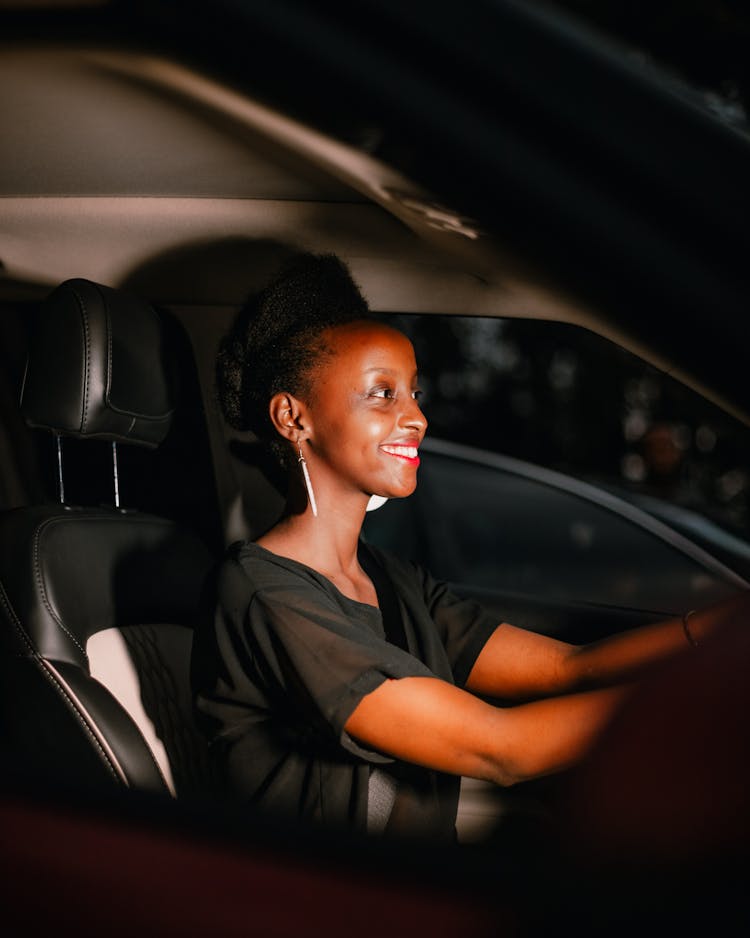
x,y
627,655
551,735
431,723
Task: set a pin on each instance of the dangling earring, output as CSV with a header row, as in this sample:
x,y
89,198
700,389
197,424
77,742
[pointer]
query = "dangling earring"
x,y
376,501
306,478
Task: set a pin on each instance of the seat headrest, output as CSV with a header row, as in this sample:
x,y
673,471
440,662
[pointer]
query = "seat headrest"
x,y
97,367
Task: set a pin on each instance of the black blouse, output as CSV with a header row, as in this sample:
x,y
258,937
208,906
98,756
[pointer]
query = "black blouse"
x,y
287,659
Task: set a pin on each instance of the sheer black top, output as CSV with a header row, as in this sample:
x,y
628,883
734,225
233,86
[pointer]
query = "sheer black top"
x,y
286,660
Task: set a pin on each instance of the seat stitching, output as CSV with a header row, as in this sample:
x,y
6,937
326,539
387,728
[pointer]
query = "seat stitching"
x,y
40,582
157,676
87,349
82,720
134,636
51,522
15,620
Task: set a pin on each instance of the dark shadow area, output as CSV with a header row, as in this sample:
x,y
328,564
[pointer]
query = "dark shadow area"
x,y
703,41
242,267
656,821
226,268
22,479
206,867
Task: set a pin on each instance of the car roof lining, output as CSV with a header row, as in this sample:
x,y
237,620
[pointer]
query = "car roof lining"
x,y
223,184
112,128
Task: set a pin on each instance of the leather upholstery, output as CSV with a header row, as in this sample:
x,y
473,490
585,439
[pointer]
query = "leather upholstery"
x,y
75,571
68,573
97,367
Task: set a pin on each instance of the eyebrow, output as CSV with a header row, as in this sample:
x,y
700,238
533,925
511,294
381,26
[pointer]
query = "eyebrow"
x,y
385,371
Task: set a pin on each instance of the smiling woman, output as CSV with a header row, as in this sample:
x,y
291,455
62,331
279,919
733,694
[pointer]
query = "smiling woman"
x,y
484,160
363,416
337,683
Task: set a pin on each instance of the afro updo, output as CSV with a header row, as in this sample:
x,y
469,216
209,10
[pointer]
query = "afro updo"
x,y
275,341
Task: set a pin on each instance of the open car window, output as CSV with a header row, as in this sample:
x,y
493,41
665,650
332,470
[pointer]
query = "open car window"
x,y
559,466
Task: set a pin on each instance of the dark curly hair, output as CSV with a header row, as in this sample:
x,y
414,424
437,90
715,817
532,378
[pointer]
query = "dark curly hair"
x,y
276,340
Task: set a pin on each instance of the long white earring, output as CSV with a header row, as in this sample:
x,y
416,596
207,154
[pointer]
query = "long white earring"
x,y
376,501
308,484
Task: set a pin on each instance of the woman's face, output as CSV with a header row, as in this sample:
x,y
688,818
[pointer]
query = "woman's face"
x,y
366,423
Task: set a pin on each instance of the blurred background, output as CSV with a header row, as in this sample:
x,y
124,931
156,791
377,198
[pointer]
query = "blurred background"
x,y
564,398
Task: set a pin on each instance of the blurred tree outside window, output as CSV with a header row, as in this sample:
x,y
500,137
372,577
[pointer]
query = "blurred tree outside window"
x,y
564,398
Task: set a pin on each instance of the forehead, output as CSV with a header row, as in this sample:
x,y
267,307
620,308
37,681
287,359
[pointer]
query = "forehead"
x,y
364,345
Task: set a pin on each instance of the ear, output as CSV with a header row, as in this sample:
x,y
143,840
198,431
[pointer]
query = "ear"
x,y
289,416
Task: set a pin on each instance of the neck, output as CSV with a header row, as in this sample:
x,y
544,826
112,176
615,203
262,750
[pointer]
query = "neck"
x,y
327,543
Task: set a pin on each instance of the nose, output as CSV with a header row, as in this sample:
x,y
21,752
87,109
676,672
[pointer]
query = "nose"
x,y
413,418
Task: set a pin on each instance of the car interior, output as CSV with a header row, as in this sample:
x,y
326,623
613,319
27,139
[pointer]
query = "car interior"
x,y
143,199
99,602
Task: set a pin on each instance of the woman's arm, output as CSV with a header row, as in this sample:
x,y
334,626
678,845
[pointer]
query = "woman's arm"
x,y
516,663
432,723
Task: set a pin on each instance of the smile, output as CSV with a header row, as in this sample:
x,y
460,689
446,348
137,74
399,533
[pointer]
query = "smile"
x,y
408,453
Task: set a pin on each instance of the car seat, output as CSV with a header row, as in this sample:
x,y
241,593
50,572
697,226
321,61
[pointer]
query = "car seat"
x,y
97,604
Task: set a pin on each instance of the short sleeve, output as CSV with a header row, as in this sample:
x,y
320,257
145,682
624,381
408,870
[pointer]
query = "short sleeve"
x,y
320,661
464,625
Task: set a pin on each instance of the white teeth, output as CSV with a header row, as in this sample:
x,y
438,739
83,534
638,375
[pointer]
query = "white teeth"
x,y
410,452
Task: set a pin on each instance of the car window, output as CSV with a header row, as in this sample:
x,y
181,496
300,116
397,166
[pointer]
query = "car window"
x,y
482,526
561,398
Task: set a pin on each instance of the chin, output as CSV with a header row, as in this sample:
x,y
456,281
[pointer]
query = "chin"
x,y
403,491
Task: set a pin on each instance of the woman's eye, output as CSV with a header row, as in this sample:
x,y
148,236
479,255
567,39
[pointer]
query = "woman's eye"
x,y
382,392
417,394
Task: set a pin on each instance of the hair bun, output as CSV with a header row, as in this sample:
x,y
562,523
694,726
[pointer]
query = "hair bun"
x,y
273,341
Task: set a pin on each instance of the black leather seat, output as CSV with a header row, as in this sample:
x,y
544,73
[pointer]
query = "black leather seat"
x,y
97,605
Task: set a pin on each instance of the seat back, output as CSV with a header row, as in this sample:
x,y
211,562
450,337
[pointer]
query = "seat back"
x,y
97,605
